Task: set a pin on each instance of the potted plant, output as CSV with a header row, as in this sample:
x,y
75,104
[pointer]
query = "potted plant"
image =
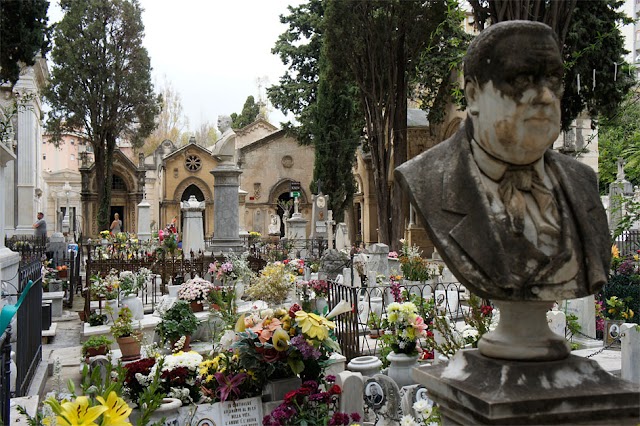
x,y
178,322
96,319
375,325
195,291
128,338
96,345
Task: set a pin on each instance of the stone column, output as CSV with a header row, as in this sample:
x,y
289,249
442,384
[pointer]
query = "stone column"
x,y
242,202
9,260
26,93
144,220
225,208
192,233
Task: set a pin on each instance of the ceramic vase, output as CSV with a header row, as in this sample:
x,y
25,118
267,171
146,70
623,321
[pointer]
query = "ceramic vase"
x,y
113,303
135,304
321,304
366,365
400,368
173,290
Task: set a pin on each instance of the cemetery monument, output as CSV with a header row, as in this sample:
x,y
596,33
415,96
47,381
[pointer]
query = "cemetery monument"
x,y
523,226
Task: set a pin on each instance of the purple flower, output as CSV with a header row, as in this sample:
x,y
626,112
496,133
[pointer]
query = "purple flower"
x,y
395,291
229,384
331,378
307,350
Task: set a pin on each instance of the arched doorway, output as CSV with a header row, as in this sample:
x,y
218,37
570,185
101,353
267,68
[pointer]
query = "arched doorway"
x,y
283,198
186,194
119,192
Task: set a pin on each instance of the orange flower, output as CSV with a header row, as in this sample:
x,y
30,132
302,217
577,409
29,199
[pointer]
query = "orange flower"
x,y
265,328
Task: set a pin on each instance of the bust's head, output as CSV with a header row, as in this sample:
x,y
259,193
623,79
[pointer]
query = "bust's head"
x,y
224,123
513,85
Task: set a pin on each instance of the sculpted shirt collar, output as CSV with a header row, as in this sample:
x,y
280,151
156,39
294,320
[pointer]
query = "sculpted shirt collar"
x,y
495,168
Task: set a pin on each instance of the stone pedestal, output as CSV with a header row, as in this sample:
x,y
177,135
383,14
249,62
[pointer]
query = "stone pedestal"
x,y
193,233
297,231
379,259
226,235
474,389
144,220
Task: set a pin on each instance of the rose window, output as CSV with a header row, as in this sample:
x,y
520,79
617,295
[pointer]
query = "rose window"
x,y
193,163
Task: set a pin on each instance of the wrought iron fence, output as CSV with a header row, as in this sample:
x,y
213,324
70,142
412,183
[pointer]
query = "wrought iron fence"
x,y
5,375
30,247
29,326
356,330
628,242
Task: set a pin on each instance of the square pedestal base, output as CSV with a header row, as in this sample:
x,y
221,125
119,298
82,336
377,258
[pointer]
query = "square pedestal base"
x,y
474,389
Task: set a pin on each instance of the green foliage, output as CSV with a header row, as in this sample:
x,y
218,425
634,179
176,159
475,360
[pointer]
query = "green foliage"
x,y
95,342
101,82
573,326
97,319
249,113
178,321
619,137
433,84
624,288
23,33
151,398
386,39
123,325
594,41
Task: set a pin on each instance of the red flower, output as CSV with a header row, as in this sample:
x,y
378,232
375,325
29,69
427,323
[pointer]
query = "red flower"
x,y
335,390
486,310
286,261
293,309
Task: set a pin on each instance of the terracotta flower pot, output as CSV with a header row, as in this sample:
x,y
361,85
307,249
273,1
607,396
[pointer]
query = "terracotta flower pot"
x,y
196,307
100,350
130,347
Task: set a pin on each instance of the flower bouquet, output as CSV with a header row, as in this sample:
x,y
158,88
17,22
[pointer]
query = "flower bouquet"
x,y
107,287
312,405
280,344
223,379
195,290
405,327
273,285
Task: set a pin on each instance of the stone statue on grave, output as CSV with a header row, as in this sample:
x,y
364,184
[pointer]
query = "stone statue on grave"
x,y
274,226
512,219
225,148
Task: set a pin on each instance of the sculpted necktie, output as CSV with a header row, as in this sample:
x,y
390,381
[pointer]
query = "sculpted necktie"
x,y
516,181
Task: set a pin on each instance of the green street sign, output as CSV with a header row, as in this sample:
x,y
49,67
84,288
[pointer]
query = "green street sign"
x,y
294,194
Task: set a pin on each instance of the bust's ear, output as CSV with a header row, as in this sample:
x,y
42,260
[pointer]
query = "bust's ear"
x,y
471,88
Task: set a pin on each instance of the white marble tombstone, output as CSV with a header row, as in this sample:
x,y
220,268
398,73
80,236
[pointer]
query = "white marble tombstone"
x,y
378,259
557,322
342,237
193,234
352,385
584,308
630,353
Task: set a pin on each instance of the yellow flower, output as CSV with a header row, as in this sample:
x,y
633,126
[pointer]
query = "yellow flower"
x,y
117,410
280,340
76,413
314,326
240,325
615,252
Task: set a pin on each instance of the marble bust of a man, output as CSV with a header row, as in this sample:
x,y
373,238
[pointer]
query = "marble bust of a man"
x,y
512,219
225,148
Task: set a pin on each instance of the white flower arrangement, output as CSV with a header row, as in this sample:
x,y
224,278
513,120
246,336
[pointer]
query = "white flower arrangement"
x,y
195,290
190,360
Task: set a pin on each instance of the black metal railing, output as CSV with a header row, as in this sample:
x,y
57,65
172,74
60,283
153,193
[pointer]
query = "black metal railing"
x,y
628,242
29,327
5,375
355,330
30,247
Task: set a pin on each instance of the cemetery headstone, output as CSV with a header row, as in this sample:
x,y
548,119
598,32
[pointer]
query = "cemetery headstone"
x,y
352,385
630,353
378,260
382,396
333,262
193,233
320,216
585,311
557,322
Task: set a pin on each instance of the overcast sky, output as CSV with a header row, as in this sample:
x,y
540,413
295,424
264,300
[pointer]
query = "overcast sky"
x,y
212,52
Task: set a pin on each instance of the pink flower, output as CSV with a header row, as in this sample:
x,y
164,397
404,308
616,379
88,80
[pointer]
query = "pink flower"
x,y
161,235
420,325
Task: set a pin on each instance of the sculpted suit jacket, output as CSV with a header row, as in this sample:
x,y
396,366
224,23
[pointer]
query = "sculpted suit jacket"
x,y
455,210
